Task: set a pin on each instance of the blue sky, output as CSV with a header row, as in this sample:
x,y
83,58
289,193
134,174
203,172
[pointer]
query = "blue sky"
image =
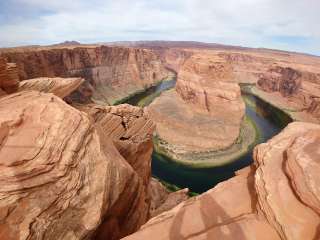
x,y
281,24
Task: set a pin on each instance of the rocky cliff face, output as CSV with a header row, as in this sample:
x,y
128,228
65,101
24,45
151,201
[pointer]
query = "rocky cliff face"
x,y
9,79
280,191
287,81
114,72
59,172
292,89
206,82
205,111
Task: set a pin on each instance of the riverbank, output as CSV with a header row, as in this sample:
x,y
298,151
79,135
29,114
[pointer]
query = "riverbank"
x,y
248,137
281,113
142,94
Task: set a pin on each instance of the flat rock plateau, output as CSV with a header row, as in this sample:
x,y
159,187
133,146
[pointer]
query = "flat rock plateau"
x,y
73,165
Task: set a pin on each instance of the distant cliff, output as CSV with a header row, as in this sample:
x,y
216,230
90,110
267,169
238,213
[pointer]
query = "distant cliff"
x,y
113,72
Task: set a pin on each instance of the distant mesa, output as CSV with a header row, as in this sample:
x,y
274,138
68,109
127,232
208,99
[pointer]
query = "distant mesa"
x,y
67,43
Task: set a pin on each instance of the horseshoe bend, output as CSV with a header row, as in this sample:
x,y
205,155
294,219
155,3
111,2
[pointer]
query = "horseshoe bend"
x,y
158,140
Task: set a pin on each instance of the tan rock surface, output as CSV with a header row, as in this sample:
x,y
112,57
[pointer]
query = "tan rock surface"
x,y
61,87
216,214
276,199
60,176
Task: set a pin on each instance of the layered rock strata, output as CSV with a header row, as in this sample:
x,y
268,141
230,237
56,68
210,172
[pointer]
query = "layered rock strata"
x,y
295,91
66,175
114,72
58,172
202,115
61,87
131,131
277,198
9,79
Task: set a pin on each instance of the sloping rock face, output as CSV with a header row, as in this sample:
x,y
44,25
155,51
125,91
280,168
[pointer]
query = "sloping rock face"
x,y
278,198
9,79
61,177
61,87
114,72
286,182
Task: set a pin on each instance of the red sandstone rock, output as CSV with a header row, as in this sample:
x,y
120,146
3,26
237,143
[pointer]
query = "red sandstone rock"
x,y
114,72
206,110
276,199
9,79
61,176
61,87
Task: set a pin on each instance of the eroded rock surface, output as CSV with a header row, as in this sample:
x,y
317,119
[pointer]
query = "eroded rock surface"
x,y
9,79
205,111
61,87
61,176
277,198
114,72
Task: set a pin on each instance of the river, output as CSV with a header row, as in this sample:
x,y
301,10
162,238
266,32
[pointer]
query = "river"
x,y
268,120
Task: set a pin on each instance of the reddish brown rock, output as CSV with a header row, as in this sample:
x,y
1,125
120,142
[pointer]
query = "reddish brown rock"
x,y
276,199
114,72
287,81
205,111
9,79
131,130
216,214
61,87
61,176
284,192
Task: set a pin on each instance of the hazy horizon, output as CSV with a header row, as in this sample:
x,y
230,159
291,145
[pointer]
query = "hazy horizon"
x,y
284,25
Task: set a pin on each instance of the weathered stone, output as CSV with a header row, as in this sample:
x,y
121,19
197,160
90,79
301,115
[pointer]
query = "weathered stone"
x,y
61,87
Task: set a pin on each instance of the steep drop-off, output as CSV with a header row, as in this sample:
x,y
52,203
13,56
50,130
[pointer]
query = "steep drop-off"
x,y
203,114
9,79
277,198
113,72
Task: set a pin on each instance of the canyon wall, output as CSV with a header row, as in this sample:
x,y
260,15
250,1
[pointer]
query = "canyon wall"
x,y
202,115
113,72
81,172
294,89
59,172
276,198
9,79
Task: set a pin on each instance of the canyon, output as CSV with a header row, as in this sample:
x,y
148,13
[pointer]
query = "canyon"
x,y
76,165
110,73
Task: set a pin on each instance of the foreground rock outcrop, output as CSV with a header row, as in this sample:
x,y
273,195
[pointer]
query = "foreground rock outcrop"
x,y
277,198
61,87
61,175
112,72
